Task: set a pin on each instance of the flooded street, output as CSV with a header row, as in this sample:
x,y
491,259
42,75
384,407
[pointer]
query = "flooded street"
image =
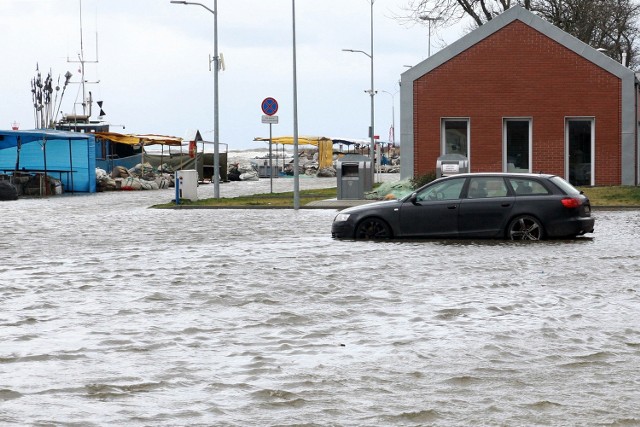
x,y
115,314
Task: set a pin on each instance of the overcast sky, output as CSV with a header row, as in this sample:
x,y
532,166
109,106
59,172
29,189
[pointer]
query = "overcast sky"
x,y
153,63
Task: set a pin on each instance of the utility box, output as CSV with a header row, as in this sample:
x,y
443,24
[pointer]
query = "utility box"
x,y
187,184
355,176
451,164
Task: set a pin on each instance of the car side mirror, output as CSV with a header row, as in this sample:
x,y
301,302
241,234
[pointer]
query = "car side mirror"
x,y
413,198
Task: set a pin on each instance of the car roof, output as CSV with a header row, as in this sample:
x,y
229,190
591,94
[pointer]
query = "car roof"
x,y
502,174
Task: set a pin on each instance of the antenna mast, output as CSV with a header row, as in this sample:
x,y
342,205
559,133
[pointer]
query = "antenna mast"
x,y
81,57
86,101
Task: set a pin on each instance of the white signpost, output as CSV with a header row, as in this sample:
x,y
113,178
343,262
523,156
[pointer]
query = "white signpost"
x,y
270,108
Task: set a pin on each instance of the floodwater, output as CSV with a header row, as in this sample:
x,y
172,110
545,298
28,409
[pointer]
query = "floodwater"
x,y
115,314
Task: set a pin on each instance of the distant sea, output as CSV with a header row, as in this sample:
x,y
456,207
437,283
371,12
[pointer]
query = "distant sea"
x,y
239,155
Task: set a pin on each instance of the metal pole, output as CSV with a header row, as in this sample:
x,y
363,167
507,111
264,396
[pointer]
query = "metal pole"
x,y
372,94
296,177
429,19
270,156
177,186
195,159
44,154
216,127
393,121
429,51
216,67
73,190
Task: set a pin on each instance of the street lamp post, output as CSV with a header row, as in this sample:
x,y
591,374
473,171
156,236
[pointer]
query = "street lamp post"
x,y
429,19
216,68
371,93
296,172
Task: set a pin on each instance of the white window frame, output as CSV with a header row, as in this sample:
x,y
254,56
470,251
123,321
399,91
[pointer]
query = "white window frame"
x,y
443,135
505,120
591,119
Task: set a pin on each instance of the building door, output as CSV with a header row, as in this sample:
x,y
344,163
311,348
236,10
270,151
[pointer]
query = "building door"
x,y
517,145
579,151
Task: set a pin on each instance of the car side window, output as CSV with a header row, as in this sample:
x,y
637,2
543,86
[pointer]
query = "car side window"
x,y
527,187
446,190
485,187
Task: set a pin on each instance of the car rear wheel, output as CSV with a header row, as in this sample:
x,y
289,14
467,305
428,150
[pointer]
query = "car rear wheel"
x,y
525,227
373,228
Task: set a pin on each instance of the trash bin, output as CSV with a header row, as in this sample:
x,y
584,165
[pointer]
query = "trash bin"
x,y
187,184
355,176
451,164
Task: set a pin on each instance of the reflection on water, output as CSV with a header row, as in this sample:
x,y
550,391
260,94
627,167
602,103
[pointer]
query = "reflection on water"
x,y
115,314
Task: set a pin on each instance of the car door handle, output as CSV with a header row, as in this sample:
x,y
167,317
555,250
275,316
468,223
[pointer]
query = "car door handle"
x,y
506,205
452,206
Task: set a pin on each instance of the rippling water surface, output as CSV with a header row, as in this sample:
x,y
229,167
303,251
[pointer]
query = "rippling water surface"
x,y
115,314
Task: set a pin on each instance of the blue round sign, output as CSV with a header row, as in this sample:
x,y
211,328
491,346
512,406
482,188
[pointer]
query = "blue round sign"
x,y
269,106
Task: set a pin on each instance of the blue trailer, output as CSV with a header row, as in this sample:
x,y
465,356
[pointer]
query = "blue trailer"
x,y
69,157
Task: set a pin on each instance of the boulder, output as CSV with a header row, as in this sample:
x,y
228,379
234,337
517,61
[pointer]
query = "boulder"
x,y
8,191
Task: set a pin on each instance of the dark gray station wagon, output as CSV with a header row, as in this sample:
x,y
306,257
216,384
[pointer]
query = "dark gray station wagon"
x,y
475,205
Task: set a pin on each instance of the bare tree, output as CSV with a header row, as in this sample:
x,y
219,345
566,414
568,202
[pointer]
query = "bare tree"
x,y
608,25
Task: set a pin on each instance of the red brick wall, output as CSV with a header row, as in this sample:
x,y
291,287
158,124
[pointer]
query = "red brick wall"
x,y
519,72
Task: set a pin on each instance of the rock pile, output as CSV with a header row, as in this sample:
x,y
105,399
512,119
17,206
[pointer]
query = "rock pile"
x,y
242,172
140,177
29,184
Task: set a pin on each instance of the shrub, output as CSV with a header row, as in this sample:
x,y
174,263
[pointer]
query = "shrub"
x,y
419,181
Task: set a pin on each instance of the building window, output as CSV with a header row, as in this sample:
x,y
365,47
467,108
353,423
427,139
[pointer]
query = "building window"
x,y
455,136
579,140
517,145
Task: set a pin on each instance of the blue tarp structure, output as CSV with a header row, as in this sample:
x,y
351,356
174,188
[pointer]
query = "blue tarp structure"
x,y
68,156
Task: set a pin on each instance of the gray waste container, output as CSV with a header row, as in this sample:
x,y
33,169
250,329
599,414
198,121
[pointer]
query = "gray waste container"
x,y
355,176
451,164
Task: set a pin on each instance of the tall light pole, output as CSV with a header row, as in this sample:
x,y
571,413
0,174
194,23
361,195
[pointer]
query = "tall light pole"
x,y
296,172
429,19
372,94
216,68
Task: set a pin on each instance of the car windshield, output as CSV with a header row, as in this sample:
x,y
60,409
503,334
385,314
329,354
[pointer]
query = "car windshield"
x,y
565,186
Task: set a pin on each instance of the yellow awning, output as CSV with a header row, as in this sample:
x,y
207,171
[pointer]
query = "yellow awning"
x,y
302,140
132,139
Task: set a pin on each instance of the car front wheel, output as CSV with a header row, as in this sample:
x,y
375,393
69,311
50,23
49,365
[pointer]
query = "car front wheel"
x,y
525,227
373,228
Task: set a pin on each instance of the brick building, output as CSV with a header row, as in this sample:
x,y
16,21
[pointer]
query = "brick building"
x,y
519,94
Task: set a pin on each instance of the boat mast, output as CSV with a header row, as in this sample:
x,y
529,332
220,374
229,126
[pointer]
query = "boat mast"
x,y
81,57
87,101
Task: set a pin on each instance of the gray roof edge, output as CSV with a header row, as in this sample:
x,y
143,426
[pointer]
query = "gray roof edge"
x,y
517,13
